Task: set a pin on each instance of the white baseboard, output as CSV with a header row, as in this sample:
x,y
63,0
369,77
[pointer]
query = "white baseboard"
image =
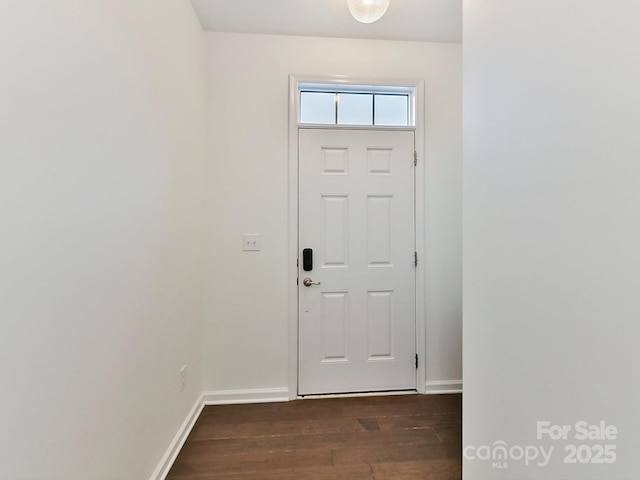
x,y
443,386
178,441
217,397
257,395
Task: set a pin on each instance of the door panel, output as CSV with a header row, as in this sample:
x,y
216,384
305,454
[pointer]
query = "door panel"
x,y
333,319
357,327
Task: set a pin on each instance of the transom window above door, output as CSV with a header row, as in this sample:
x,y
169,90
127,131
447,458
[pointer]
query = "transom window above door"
x,y
334,104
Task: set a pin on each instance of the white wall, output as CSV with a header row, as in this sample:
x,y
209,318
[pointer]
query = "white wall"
x,y
101,214
551,231
246,327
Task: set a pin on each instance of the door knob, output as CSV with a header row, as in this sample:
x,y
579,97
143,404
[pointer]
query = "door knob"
x,y
307,282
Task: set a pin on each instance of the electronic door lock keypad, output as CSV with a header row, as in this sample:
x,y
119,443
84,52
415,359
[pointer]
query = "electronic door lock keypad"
x,y
307,259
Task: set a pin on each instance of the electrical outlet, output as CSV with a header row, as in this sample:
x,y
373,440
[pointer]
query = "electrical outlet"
x,y
183,377
251,242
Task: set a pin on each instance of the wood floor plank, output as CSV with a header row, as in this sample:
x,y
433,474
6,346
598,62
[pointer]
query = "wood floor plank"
x,y
348,472
374,438
419,470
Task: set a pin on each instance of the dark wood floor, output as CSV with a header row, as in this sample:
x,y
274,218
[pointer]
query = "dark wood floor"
x,y
403,437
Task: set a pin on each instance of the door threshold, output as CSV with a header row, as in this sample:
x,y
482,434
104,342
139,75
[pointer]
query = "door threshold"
x,y
357,394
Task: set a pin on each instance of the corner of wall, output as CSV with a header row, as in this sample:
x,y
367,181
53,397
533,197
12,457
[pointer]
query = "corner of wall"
x,y
163,468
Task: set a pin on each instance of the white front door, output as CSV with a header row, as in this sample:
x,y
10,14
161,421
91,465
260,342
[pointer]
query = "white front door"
x,y
357,318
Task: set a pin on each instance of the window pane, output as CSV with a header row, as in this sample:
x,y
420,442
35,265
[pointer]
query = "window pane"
x,y
392,110
355,109
317,107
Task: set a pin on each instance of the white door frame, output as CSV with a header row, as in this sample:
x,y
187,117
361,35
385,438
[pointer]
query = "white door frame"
x,y
294,84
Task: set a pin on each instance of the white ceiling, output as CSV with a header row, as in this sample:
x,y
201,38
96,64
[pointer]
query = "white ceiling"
x,y
420,20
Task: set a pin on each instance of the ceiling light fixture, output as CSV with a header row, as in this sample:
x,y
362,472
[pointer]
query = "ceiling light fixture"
x,y
368,11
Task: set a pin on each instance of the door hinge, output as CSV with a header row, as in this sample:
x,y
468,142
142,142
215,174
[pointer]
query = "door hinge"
x,y
415,158
415,259
416,360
